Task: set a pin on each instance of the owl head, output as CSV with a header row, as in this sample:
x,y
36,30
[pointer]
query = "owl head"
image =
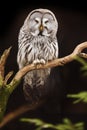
x,y
41,22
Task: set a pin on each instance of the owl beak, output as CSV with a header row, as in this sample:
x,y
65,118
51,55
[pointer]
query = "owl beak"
x,y
41,28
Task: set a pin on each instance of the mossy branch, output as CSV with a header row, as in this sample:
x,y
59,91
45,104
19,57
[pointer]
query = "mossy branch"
x,y
7,89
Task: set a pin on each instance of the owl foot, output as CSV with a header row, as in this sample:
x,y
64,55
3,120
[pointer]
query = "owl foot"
x,y
42,61
37,61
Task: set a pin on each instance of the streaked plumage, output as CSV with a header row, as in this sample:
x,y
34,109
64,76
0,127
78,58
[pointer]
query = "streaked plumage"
x,y
37,43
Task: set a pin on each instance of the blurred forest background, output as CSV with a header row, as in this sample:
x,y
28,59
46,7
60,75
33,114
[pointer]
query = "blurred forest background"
x,y
72,19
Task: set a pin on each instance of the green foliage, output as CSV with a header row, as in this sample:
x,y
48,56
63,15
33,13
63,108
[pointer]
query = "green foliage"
x,y
84,65
81,96
66,125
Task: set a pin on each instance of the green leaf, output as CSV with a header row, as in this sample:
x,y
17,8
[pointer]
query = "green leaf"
x,y
81,96
66,121
37,122
80,124
66,125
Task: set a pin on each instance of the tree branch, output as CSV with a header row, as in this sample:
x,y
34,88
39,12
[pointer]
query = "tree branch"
x,y
58,62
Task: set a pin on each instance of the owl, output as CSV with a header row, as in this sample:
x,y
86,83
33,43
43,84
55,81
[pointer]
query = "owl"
x,y
37,44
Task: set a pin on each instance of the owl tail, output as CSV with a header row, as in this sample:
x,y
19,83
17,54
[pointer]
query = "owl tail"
x,y
36,84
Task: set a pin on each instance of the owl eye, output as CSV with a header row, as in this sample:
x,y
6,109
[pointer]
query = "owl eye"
x,y
46,21
36,21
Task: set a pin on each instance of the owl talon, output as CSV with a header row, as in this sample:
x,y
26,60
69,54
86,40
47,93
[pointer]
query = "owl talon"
x,y
42,61
37,61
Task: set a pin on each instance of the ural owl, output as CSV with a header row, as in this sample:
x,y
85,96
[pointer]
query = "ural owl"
x,y
37,43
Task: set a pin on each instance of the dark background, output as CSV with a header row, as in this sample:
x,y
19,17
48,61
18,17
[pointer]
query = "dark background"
x,y
72,19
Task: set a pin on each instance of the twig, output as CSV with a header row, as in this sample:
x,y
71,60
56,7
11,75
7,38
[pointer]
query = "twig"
x,y
3,60
14,114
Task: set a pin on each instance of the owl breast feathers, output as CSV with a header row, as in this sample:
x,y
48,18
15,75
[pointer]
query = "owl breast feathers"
x,y
37,43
